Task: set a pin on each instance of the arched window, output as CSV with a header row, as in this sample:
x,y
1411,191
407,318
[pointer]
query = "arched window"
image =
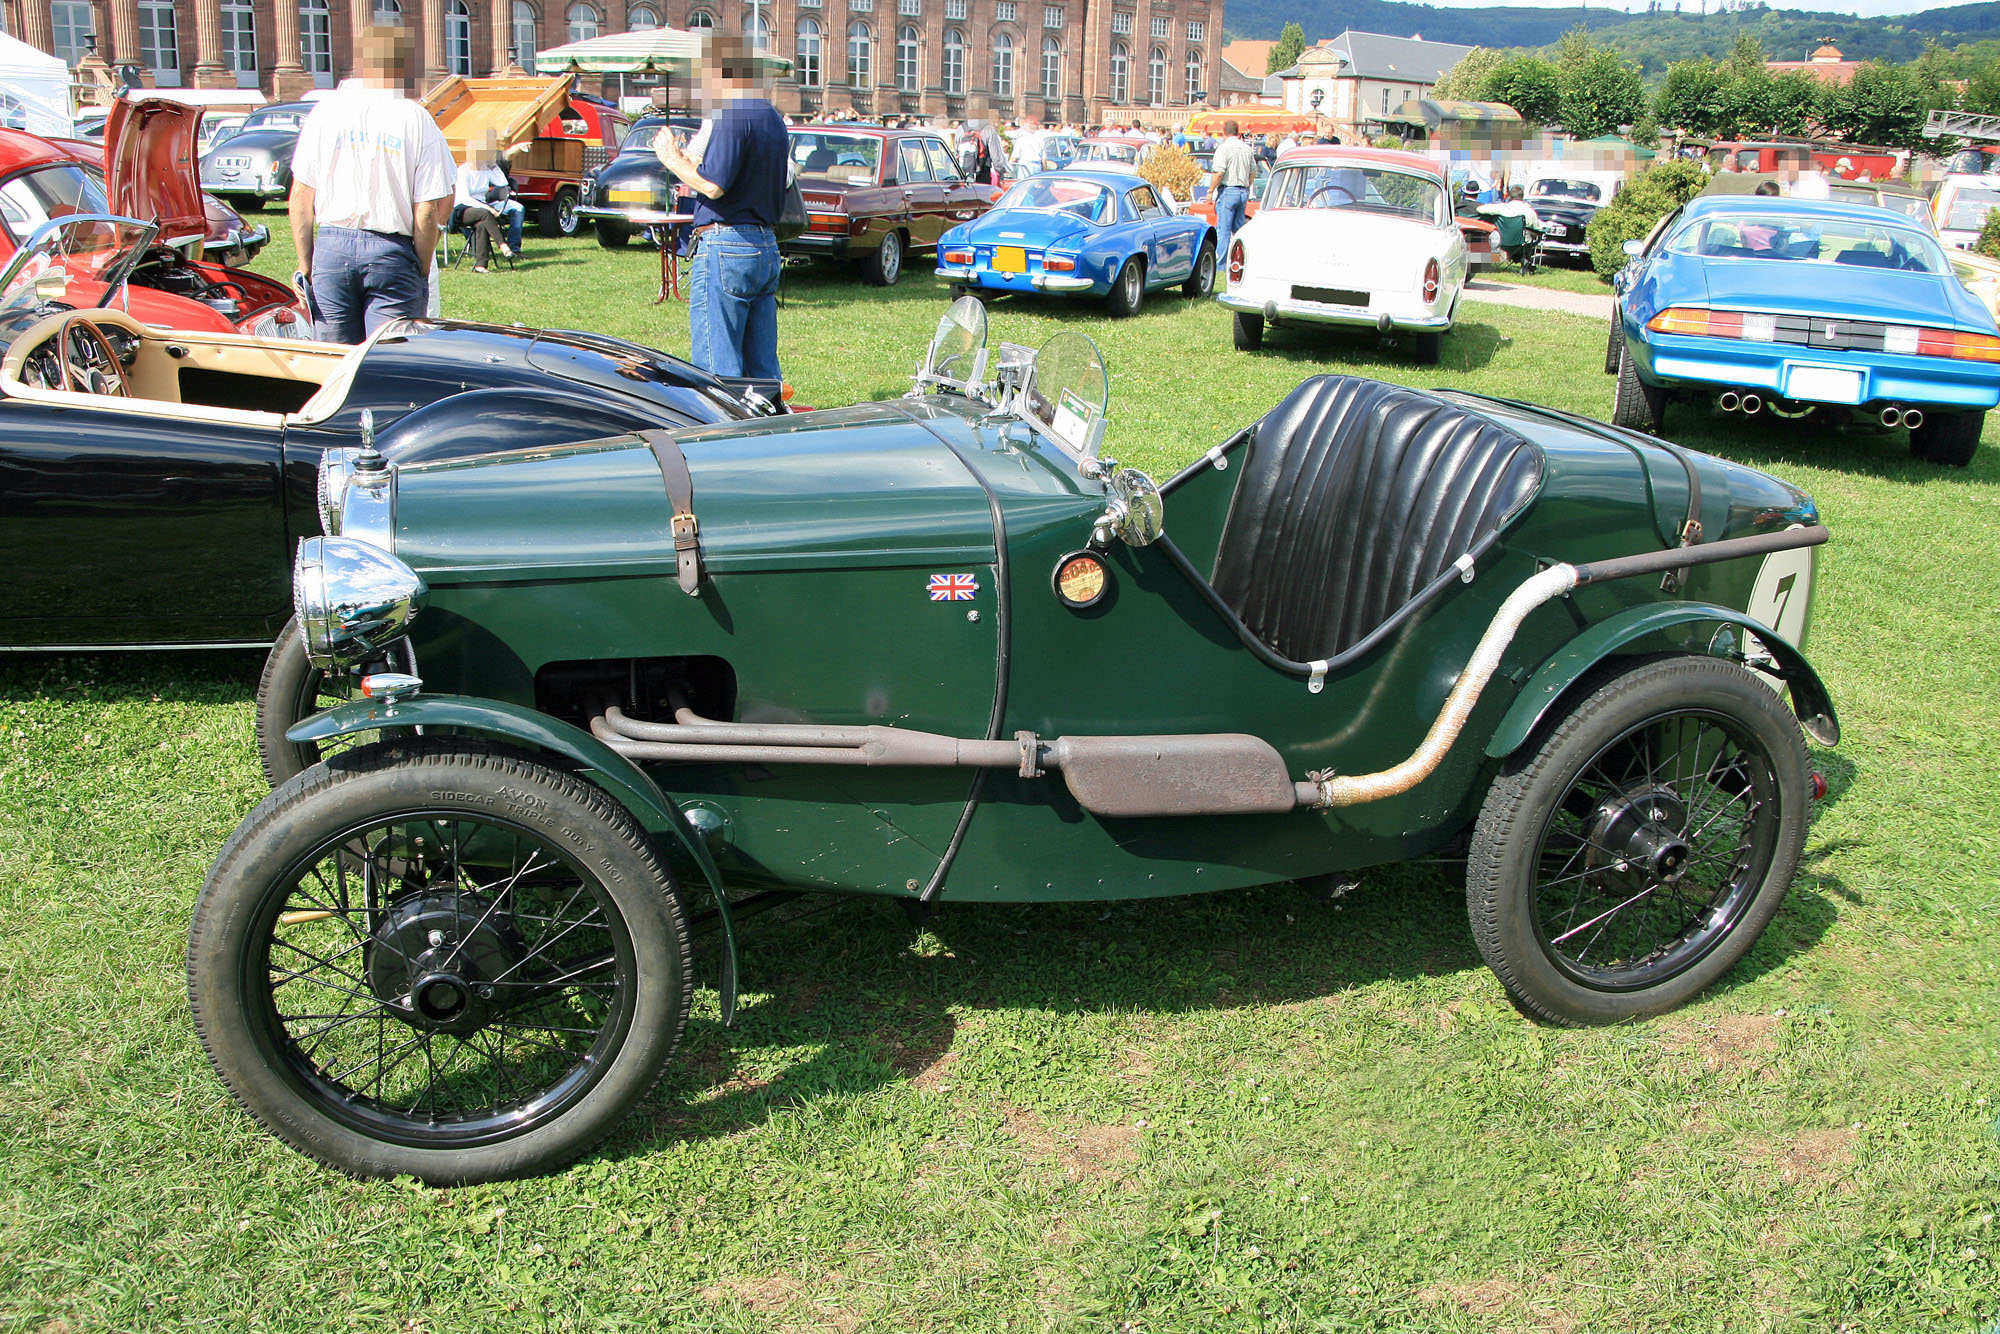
x,y
388,13
239,41
316,41
72,24
700,18
906,59
1121,73
1003,65
954,62
1051,68
458,38
525,35
641,18
1156,77
582,23
757,31
860,52
809,53
1194,79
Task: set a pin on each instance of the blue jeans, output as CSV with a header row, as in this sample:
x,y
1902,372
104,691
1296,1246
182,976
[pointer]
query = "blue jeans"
x,y
1230,203
733,302
362,280
512,211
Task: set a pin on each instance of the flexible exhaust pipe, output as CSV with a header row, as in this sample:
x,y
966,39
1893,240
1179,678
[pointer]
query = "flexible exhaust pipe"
x,y
1893,415
1751,405
1912,418
1727,400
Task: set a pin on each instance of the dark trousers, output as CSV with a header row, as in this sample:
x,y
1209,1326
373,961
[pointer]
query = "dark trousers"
x,y
485,232
362,280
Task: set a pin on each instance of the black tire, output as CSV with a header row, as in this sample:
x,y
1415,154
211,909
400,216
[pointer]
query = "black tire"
x,y
1249,331
613,235
1202,281
885,264
1607,838
1636,405
558,216
1428,347
1615,347
1128,290
300,887
290,689
1947,437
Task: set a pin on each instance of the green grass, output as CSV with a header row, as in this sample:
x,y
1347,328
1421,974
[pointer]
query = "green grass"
x,y
1305,1107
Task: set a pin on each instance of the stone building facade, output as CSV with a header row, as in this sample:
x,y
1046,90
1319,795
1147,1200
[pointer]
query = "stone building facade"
x,y
1090,61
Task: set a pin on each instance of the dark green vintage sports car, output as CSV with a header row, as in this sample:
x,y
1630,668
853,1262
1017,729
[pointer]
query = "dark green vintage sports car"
x,y
941,648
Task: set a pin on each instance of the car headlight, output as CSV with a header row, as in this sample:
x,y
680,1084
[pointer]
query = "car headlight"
x,y
336,469
353,600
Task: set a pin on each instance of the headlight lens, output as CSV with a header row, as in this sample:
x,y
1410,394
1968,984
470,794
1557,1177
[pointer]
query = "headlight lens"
x,y
353,600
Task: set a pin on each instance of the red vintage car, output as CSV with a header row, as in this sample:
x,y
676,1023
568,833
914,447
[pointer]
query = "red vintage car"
x,y
878,195
146,171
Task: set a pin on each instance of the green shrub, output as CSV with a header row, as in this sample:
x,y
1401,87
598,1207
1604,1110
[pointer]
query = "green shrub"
x,y
1657,192
1988,243
1387,141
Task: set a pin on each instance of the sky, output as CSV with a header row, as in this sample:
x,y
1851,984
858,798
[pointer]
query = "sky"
x,y
1870,8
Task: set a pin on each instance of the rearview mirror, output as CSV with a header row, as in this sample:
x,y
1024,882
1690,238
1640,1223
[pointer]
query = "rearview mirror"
x,y
51,285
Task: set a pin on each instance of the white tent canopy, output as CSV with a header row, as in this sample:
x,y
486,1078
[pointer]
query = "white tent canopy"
x,y
34,89
655,50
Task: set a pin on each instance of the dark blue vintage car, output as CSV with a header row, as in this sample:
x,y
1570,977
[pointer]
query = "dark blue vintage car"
x,y
1082,231
1800,306
631,194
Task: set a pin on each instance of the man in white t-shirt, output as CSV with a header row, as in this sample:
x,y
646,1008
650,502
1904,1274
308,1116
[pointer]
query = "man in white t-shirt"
x,y
372,183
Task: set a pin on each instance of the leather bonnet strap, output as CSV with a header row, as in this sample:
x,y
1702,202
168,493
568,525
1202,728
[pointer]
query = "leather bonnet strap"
x,y
680,490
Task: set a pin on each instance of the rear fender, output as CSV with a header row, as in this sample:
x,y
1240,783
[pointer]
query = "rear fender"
x,y
1554,678
622,780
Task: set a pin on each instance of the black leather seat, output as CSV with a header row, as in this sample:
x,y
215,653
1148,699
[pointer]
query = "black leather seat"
x,y
1355,495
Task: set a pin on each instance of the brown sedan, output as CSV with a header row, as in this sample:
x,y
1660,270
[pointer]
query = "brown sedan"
x,y
877,195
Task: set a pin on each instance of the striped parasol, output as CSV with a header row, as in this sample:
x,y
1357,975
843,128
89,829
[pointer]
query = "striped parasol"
x,y
655,50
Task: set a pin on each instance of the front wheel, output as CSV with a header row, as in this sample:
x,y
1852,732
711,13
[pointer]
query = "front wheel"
x,y
1614,346
1249,331
1128,290
1202,281
458,964
885,265
1947,437
1643,848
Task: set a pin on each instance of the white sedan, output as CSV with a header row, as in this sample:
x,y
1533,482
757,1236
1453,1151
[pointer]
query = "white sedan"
x,y
1354,236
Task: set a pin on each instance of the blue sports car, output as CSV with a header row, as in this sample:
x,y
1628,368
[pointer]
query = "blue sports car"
x,y
1082,231
1797,305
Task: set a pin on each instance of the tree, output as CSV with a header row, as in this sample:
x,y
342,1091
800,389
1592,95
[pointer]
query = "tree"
x,y
1466,81
1798,102
1748,103
1656,192
1529,84
1690,97
1285,53
1599,93
1882,104
1746,58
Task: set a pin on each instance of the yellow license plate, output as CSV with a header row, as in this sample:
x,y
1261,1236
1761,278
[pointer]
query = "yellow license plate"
x,y
630,196
1010,259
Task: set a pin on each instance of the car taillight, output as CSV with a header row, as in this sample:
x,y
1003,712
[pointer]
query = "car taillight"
x,y
1964,346
958,257
1697,320
1431,281
827,222
1235,261
1057,264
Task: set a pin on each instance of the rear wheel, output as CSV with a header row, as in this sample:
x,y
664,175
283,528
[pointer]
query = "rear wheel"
x,y
1128,290
613,235
460,965
1636,405
885,265
1947,437
1202,281
559,214
1428,347
1249,331
1640,852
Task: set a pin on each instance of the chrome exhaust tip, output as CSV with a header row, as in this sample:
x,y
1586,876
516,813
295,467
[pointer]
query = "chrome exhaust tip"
x,y
1912,418
1727,400
1892,416
1751,405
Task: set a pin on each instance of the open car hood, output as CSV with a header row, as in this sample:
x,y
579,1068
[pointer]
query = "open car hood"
x,y
150,166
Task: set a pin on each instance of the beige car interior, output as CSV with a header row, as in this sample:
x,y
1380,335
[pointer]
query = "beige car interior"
x,y
190,375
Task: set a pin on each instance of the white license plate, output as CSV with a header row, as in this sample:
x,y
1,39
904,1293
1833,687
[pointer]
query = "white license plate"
x,y
1820,384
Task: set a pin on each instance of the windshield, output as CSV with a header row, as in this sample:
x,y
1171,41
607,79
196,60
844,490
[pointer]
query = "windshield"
x,y
33,198
1356,188
640,138
1857,244
1910,206
1553,188
100,249
1062,194
1102,152
846,159
1970,207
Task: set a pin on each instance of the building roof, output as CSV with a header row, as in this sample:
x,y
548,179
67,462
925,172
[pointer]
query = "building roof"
x,y
1833,73
1237,80
1248,56
1374,55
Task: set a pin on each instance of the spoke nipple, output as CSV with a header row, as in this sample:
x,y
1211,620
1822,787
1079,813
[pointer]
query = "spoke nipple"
x,y
436,939
486,993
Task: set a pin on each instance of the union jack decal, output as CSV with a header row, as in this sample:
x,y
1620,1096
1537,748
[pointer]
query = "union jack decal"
x,y
954,587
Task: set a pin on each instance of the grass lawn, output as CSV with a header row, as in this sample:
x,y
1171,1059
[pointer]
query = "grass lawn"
x,y
1303,1107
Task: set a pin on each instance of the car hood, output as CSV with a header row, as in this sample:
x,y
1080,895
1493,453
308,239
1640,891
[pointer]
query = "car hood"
x,y
149,166
873,485
1030,227
1845,292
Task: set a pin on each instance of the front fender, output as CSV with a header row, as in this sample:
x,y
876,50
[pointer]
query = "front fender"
x,y
1810,700
624,781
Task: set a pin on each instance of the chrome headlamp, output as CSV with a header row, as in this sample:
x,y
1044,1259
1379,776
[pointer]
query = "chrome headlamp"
x,y
336,469
353,600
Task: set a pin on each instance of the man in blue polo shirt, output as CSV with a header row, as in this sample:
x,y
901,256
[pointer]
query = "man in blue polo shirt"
x,y
740,187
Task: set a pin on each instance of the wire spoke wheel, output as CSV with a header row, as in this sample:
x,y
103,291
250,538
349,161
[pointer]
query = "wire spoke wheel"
x,y
1643,846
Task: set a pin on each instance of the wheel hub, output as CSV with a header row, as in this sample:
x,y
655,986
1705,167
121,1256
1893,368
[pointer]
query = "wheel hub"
x,y
437,956
1639,838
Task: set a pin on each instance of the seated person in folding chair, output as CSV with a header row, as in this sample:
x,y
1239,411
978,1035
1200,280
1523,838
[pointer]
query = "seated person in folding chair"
x,y
482,186
1519,227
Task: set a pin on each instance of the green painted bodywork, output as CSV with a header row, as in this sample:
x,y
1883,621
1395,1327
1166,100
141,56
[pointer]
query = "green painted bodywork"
x,y
623,780
820,533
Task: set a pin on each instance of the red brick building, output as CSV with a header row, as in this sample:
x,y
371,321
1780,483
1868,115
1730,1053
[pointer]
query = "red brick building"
x,y
1079,60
